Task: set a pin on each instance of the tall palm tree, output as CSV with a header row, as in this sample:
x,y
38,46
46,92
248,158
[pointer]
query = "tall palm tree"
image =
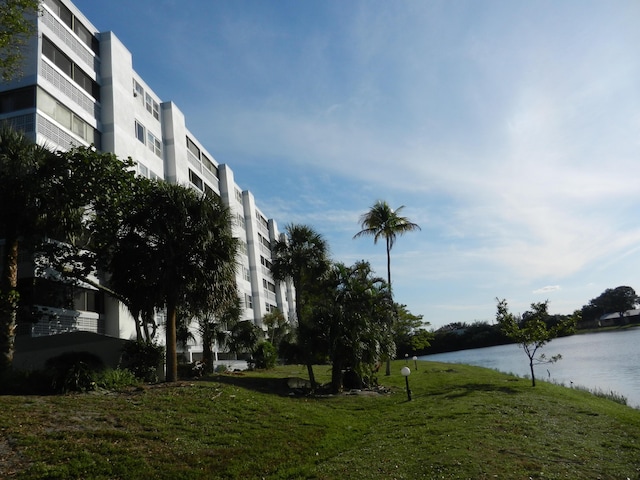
x,y
22,208
381,221
302,257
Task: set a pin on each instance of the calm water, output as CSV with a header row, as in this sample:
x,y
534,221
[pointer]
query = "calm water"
x,y
609,361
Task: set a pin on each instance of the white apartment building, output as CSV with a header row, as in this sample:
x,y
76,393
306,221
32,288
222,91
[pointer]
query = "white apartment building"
x,y
79,88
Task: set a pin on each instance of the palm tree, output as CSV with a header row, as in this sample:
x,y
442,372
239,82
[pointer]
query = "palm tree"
x,y
22,209
302,257
186,238
381,221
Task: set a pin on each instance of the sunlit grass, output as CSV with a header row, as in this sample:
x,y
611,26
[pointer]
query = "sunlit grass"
x,y
463,422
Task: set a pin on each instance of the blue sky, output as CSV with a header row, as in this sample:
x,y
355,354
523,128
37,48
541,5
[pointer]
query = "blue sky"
x,y
509,130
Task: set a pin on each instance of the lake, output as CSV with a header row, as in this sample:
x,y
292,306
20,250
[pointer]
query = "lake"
x,y
609,361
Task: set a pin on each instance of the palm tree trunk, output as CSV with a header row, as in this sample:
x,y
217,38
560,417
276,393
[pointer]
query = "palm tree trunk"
x,y
388,367
172,355
8,303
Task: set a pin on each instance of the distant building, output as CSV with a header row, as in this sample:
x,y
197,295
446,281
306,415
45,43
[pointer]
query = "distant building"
x,y
619,318
79,88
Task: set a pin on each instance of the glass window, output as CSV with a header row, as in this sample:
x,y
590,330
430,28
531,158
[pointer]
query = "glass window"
x,y
154,144
140,132
79,127
143,171
195,180
15,100
59,59
152,106
193,148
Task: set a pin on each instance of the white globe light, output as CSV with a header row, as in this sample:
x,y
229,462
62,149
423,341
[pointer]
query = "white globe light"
x,y
405,371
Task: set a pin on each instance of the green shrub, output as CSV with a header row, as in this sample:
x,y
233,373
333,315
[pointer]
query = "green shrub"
x,y
115,379
265,356
143,359
73,371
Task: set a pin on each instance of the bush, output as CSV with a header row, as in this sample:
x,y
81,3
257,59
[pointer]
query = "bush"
x,y
73,371
142,359
115,379
265,356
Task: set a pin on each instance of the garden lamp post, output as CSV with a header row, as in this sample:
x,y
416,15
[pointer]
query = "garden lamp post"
x,y
405,371
415,362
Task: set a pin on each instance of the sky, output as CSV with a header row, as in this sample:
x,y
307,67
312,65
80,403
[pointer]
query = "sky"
x,y
509,131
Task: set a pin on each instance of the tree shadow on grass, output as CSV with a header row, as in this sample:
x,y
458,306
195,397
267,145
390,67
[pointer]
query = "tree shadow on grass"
x,y
274,386
457,391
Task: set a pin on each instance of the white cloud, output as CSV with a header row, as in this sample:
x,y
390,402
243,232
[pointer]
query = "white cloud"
x,y
547,289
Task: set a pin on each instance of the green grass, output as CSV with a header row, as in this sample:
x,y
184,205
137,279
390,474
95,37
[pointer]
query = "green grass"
x,y
463,422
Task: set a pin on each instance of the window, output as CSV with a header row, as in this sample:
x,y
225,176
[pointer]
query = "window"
x,y
65,117
242,247
270,287
265,262
154,144
152,106
143,171
74,24
238,195
20,99
72,70
195,180
246,274
140,135
58,58
261,220
138,91
248,301
210,192
240,220
209,165
193,148
264,242
61,11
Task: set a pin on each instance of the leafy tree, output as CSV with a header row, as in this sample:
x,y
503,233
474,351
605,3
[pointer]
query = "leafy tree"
x,y
244,337
278,328
381,221
17,26
265,355
302,257
408,334
530,331
356,320
612,300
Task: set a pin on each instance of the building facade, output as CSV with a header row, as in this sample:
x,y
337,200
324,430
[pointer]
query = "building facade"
x,y
79,88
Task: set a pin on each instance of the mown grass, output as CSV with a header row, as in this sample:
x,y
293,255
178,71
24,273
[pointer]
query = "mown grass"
x,y
463,422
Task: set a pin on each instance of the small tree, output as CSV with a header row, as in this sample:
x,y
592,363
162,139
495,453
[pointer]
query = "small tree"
x,y
278,328
17,26
531,332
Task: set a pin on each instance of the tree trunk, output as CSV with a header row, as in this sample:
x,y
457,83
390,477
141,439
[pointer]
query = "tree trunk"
x,y
207,353
388,367
336,377
533,377
312,377
172,354
8,303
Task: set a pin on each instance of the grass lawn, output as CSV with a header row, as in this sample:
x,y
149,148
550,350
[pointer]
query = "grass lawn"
x,y
463,422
